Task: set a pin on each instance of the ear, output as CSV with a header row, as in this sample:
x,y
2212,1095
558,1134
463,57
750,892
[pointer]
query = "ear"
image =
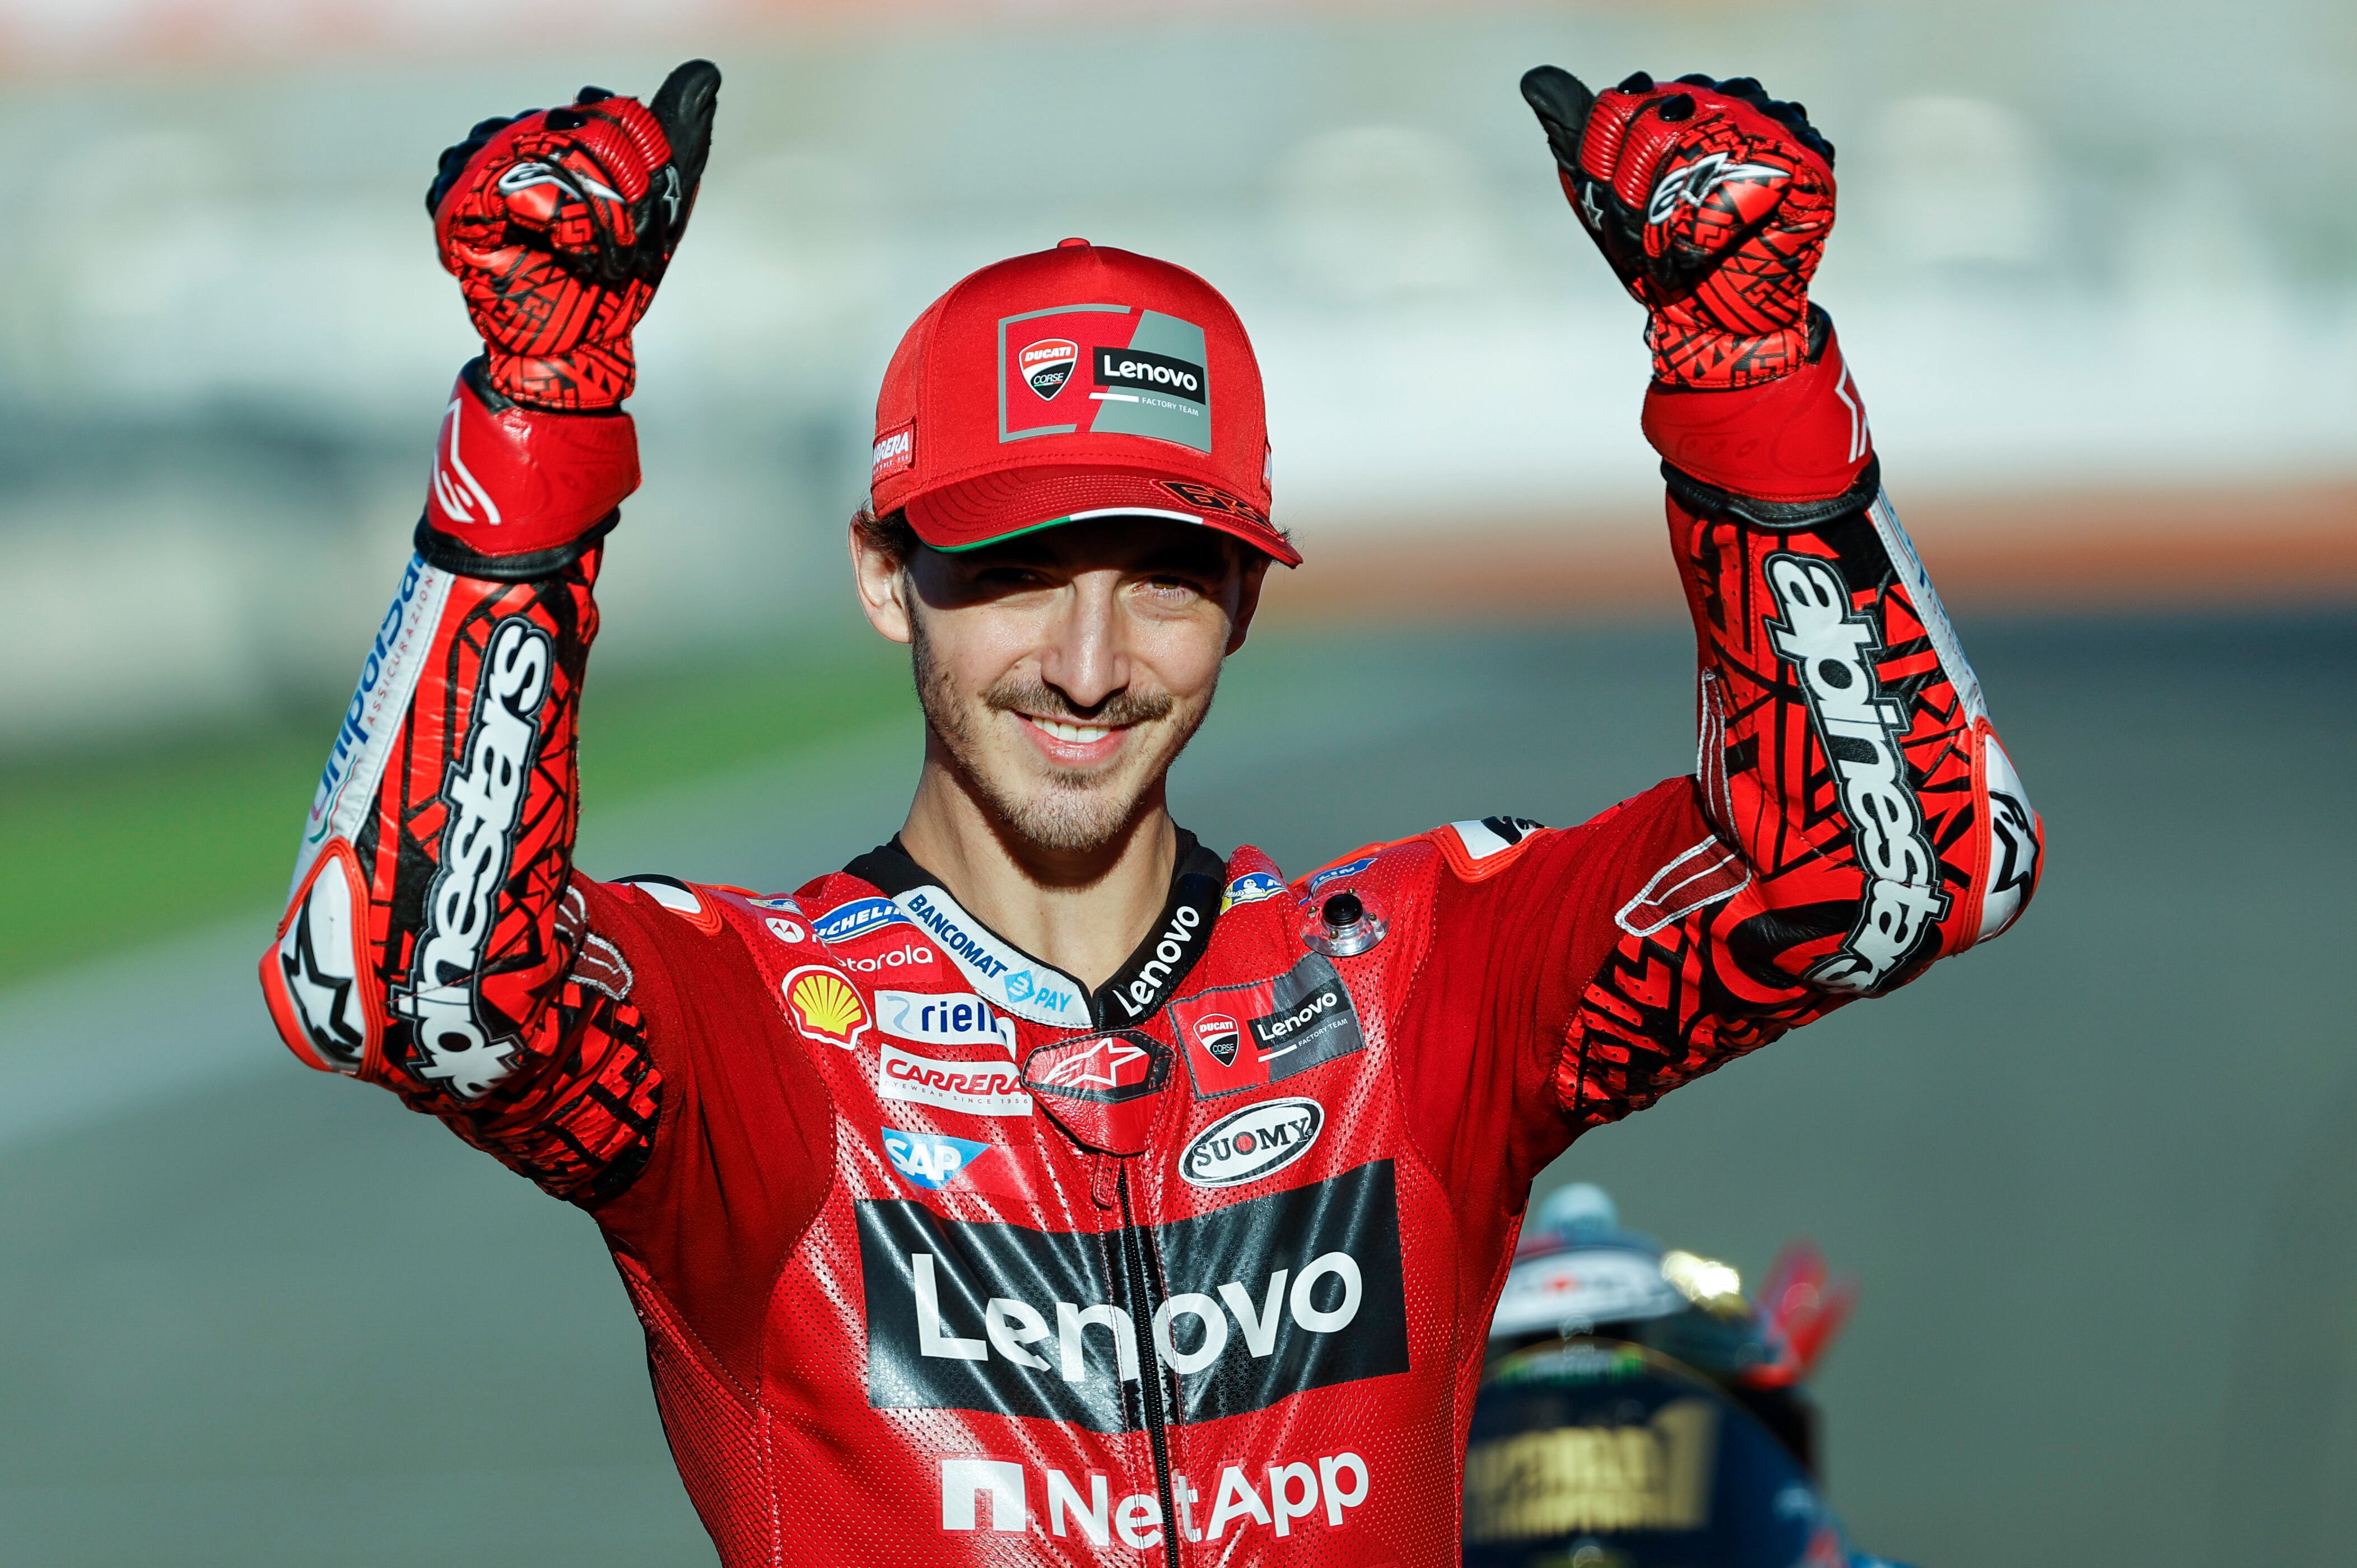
x,y
883,585
1255,571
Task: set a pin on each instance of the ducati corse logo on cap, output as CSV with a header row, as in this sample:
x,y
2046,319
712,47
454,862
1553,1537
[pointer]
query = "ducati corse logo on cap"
x,y
1047,364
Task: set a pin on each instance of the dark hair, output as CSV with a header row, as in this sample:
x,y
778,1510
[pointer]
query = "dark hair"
x,y
889,535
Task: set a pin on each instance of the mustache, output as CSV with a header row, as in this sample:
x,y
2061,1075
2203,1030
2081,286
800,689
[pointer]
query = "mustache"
x,y
1015,695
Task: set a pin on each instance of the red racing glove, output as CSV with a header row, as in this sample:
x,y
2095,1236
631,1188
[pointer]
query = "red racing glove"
x,y
1711,200
558,225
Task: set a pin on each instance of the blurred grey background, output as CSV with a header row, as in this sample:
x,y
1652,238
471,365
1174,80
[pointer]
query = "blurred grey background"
x,y
2096,270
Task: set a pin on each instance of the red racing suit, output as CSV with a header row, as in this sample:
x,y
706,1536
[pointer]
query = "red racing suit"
x,y
945,1258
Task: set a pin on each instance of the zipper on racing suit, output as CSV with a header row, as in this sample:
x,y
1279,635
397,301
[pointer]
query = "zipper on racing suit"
x,y
1138,1283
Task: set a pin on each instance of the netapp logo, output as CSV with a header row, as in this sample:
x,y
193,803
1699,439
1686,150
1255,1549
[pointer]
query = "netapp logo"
x,y
1149,372
1337,1483
1831,648
1262,1299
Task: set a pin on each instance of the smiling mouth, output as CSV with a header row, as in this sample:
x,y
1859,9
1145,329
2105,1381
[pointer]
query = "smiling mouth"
x,y
1071,734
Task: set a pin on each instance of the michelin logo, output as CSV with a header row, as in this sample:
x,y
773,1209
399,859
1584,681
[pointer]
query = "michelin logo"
x,y
856,918
1831,649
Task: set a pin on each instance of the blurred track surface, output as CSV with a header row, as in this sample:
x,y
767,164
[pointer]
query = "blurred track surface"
x,y
2094,1179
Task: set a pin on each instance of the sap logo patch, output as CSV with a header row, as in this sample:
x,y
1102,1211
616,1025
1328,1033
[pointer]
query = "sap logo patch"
x,y
824,1006
856,918
928,1159
1245,1145
1249,889
1047,365
952,1018
1336,872
1248,1036
782,902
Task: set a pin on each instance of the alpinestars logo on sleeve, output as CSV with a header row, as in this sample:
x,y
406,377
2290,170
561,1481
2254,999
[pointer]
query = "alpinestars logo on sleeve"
x,y
1832,650
485,796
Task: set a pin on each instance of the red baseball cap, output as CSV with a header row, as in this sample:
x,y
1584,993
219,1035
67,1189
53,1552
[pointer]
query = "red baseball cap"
x,y
1074,383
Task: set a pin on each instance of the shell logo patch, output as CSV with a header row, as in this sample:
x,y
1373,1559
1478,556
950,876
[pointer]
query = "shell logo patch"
x,y
825,1006
1047,365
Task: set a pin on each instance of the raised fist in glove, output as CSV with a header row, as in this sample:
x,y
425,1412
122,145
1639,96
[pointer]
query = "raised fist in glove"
x,y
558,224
1712,203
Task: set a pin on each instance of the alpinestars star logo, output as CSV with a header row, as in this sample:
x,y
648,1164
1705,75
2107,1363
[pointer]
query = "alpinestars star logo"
x,y
1693,184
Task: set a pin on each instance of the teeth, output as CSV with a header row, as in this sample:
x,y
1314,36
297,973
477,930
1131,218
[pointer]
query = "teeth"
x,y
1081,734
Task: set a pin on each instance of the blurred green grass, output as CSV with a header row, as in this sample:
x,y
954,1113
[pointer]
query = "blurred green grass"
x,y
107,850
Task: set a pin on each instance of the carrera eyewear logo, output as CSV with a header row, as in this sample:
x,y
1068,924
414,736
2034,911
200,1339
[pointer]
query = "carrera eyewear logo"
x,y
894,451
1832,650
1047,365
484,795
1247,1145
1260,1300
824,1006
978,1089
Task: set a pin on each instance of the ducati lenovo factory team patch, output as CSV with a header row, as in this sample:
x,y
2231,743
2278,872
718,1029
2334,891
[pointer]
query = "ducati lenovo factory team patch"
x,y
1147,375
1263,1299
1246,1036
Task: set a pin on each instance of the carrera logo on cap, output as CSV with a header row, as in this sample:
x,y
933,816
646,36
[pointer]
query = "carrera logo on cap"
x,y
895,452
1047,364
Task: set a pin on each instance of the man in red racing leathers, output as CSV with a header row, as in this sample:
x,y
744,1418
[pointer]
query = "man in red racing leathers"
x,y
1041,1187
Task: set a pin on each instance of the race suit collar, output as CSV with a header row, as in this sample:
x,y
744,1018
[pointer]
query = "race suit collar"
x,y
1148,975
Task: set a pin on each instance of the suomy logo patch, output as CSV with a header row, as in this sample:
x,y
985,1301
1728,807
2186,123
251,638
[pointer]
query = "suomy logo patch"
x,y
1245,1145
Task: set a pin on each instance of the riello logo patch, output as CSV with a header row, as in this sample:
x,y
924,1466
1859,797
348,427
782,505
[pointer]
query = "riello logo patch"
x,y
1247,1145
1047,364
